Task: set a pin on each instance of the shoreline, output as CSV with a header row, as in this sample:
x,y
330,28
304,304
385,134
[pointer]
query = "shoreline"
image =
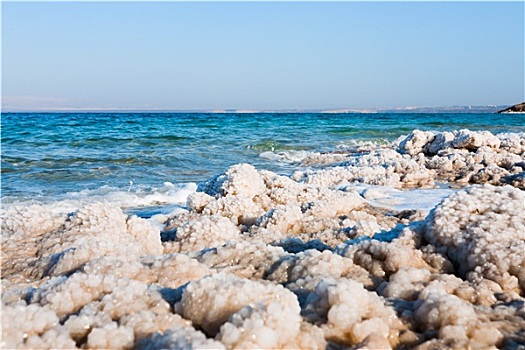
x,y
253,259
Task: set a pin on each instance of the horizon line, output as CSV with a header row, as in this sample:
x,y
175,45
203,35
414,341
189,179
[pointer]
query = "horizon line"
x,y
450,108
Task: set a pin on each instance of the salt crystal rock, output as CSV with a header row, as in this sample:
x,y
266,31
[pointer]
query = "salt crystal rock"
x,y
23,322
210,301
383,259
179,338
244,259
94,231
239,179
416,142
473,140
516,180
441,141
30,221
512,143
482,231
260,327
353,313
205,232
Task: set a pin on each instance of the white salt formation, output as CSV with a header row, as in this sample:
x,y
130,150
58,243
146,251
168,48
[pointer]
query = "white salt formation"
x,y
263,261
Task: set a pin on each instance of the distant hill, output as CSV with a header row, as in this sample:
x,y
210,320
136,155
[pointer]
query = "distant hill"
x,y
519,108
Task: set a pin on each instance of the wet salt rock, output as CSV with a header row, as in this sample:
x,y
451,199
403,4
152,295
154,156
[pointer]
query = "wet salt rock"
x,y
315,264
384,167
406,283
354,315
239,179
94,231
315,158
416,142
373,175
29,221
170,270
516,180
211,301
284,219
440,310
138,309
197,201
269,327
482,231
328,204
67,295
175,270
145,322
441,141
205,232
179,338
382,259
260,327
492,174
512,143
458,322
26,326
473,140
281,189
252,260
239,209
111,336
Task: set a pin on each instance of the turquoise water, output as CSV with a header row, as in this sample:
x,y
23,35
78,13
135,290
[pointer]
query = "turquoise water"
x,y
48,155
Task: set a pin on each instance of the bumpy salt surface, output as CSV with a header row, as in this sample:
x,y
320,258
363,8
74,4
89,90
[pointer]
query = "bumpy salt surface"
x,y
332,257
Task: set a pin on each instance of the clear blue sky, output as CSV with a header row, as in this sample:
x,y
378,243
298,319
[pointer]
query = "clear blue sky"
x,y
269,55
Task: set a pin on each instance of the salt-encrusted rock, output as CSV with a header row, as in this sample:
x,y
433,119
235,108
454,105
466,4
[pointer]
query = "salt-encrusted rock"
x,y
512,143
354,315
197,201
239,179
30,221
312,264
482,230
210,302
111,336
516,180
93,231
441,141
457,322
382,259
33,326
260,327
205,232
473,140
179,338
239,209
244,259
416,142
383,167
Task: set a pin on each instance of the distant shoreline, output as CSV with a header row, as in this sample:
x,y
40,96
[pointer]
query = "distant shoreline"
x,y
408,110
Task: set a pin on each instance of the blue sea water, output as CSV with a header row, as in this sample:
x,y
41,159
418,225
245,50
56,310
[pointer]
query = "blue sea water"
x,y
55,155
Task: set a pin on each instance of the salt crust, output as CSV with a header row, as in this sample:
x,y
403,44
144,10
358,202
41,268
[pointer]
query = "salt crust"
x,y
267,261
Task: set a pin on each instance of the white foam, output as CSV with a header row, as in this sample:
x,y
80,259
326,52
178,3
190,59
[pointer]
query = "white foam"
x,y
286,156
387,197
171,197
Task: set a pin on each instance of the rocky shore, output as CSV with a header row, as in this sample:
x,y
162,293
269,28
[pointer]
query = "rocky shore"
x,y
519,108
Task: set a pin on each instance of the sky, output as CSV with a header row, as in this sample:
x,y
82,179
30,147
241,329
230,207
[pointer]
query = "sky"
x,y
260,55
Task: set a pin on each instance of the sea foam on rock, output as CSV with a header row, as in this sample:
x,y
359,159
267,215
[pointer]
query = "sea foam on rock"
x,y
261,260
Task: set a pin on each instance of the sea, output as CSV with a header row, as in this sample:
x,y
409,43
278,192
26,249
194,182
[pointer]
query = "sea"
x,y
155,159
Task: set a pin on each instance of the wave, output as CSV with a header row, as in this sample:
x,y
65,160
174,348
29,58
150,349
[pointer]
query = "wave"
x,y
139,200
